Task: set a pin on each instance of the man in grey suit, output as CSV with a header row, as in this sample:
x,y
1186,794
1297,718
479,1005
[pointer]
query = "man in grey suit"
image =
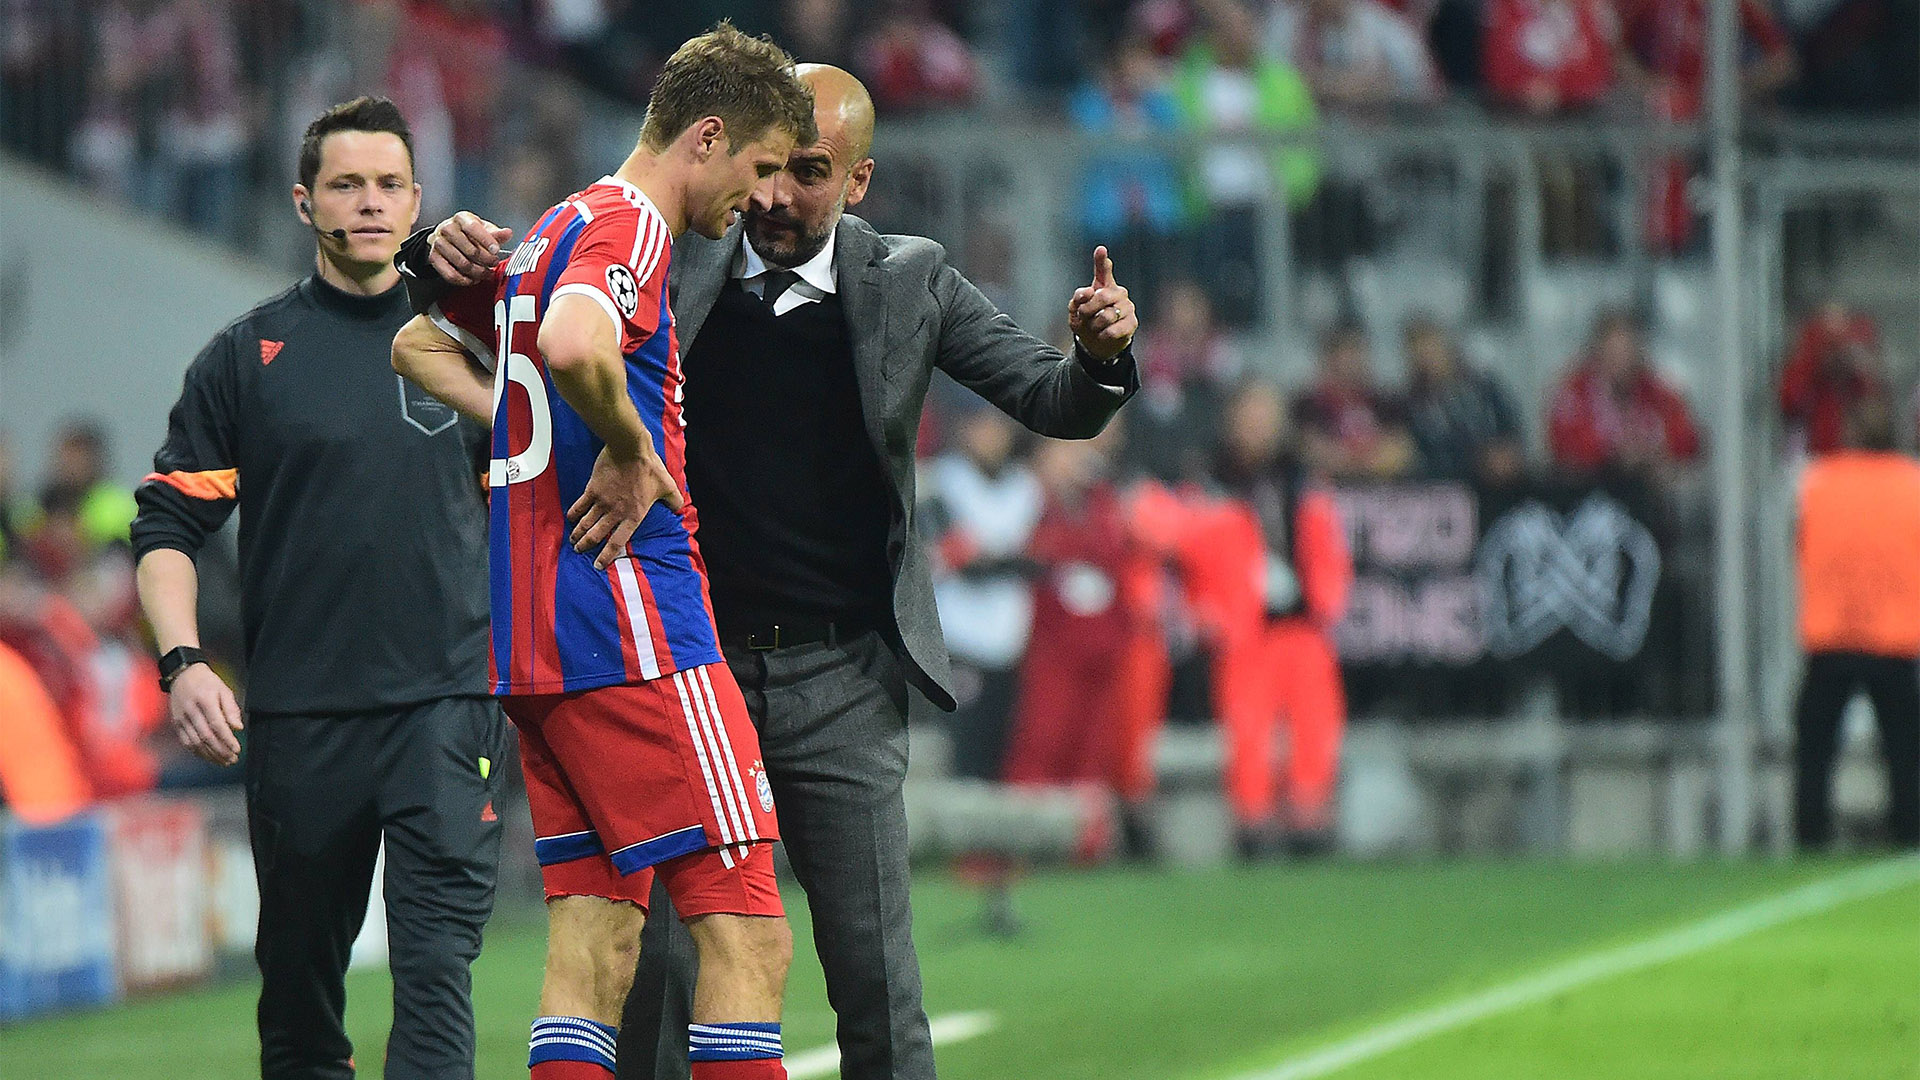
x,y
809,340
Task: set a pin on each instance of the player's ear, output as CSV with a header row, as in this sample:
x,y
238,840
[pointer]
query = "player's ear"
x,y
857,180
709,134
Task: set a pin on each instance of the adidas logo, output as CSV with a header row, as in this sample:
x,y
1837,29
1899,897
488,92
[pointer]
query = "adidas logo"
x,y
269,350
487,814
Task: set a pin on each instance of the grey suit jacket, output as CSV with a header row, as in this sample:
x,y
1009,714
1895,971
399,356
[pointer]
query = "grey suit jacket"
x,y
910,312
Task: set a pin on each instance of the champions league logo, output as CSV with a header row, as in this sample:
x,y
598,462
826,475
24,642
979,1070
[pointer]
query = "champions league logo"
x,y
623,290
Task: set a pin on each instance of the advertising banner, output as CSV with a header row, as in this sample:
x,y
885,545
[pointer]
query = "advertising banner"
x,y
161,881
56,917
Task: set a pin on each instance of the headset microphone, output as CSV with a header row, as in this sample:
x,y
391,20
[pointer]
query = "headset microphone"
x,y
336,234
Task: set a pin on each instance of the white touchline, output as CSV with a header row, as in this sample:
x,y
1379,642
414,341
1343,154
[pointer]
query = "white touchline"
x,y
1695,937
951,1028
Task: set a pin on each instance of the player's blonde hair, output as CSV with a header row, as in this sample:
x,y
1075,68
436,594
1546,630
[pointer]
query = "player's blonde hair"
x,y
748,82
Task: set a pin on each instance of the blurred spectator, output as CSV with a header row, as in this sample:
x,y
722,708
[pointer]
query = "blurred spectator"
x,y
1356,54
1167,25
1863,56
1464,426
1351,428
1665,43
40,777
1545,57
1280,671
1613,412
1130,197
1225,87
1045,45
169,117
1835,363
1549,58
42,77
912,62
1067,725
543,152
104,687
1186,361
817,31
77,475
1859,548
983,503
467,45
1664,52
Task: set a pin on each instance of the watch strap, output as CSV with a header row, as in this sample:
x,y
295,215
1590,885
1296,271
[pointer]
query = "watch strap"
x,y
177,660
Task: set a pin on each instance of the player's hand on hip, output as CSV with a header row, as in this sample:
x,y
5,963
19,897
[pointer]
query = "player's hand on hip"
x,y
204,714
617,498
466,247
1101,315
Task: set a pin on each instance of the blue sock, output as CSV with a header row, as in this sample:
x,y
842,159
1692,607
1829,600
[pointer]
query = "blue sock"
x,y
571,1038
732,1042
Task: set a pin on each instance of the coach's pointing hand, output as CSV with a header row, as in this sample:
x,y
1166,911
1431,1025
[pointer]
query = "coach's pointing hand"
x,y
617,497
466,246
204,714
1101,315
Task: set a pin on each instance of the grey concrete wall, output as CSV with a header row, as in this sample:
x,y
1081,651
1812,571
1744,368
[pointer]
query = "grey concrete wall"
x,y
101,310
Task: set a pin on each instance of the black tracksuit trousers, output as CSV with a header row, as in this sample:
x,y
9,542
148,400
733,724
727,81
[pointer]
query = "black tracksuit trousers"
x,y
1893,685
322,791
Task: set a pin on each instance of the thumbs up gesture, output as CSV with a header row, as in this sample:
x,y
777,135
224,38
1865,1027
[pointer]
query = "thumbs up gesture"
x,y
1100,315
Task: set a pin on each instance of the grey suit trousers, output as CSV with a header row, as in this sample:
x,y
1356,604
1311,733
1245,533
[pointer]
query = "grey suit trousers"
x,y
833,736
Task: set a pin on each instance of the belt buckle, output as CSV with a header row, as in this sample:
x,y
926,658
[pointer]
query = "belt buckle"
x,y
764,642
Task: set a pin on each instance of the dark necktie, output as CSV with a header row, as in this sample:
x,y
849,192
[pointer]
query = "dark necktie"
x,y
775,283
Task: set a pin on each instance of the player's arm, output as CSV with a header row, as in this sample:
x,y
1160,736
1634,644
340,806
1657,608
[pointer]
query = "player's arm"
x,y
581,345
444,367
185,500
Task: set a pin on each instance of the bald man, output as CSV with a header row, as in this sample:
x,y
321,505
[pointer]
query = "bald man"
x,y
810,342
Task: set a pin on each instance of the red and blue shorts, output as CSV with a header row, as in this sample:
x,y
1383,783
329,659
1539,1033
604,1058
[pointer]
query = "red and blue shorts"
x,y
662,775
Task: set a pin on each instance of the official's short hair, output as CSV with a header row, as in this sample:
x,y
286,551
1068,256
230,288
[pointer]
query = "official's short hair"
x,y
361,114
748,82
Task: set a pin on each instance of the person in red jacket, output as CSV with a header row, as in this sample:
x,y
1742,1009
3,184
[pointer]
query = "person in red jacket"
x,y
1069,713
1834,365
1549,56
1275,668
1663,51
1612,411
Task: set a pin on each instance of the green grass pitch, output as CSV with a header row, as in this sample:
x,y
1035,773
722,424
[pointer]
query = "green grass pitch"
x,y
1228,974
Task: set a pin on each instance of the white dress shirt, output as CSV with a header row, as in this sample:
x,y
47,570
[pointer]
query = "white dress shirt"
x,y
817,275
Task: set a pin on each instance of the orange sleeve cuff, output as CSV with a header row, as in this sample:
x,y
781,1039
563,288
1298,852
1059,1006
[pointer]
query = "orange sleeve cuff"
x,y
211,485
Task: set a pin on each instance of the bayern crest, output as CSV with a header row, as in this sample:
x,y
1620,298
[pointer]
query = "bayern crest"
x,y
762,787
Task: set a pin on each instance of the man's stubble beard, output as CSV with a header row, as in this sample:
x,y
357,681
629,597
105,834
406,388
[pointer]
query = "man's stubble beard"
x,y
804,246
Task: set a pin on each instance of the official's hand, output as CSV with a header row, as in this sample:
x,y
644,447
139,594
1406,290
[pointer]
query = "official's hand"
x,y
1101,316
204,715
617,498
465,247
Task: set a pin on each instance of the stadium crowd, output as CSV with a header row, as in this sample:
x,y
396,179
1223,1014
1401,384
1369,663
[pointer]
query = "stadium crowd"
x,y
181,105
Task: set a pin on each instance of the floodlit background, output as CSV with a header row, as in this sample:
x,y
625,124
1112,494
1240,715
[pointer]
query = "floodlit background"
x,y
1415,240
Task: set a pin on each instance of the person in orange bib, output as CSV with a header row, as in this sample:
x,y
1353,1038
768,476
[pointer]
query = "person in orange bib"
x,y
1859,555
1279,669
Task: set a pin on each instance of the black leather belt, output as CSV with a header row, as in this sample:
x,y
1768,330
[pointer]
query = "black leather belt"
x,y
770,636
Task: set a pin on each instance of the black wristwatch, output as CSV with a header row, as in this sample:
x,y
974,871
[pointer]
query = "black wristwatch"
x,y
176,661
